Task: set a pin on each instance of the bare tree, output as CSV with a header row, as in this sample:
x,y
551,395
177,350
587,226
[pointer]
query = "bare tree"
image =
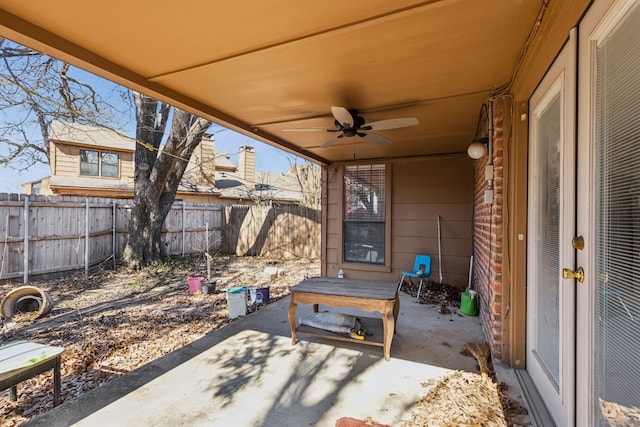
x,y
158,171
308,176
36,89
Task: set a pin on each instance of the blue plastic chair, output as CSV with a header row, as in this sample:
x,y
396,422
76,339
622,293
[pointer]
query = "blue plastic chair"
x,y
421,270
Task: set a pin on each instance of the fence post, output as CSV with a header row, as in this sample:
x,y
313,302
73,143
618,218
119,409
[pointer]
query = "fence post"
x,y
86,236
113,237
25,277
183,228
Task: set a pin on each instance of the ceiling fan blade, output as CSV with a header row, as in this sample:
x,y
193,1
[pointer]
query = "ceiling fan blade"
x,y
309,130
343,116
391,123
332,141
376,139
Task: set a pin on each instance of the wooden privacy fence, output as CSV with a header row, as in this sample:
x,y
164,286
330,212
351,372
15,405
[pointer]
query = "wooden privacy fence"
x,y
284,231
42,235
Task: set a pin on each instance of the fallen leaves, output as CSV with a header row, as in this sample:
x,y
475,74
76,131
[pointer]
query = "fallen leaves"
x,y
113,322
459,399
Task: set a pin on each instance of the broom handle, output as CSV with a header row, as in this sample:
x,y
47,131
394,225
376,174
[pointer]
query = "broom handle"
x,y
439,252
470,270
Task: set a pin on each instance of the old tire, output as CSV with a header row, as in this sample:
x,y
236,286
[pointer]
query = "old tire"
x,y
29,299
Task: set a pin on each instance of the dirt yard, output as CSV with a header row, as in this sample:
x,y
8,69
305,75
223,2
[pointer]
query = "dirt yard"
x,y
112,322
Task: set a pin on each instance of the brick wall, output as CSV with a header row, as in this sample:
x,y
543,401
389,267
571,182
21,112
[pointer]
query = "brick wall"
x,y
488,235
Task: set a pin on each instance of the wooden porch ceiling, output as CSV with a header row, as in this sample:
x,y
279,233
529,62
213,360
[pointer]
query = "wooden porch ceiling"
x,y
261,67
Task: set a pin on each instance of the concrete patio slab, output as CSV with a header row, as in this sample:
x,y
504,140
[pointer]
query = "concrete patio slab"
x,y
249,374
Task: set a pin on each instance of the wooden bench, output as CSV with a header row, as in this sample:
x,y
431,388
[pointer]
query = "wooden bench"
x,y
21,360
367,295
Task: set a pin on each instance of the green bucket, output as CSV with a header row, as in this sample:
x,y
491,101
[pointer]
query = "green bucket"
x,y
468,303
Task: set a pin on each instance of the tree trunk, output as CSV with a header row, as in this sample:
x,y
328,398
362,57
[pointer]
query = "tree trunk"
x,y
145,233
158,172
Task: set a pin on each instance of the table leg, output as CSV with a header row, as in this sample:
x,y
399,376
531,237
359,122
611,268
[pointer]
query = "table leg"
x,y
56,382
293,307
396,311
389,325
316,308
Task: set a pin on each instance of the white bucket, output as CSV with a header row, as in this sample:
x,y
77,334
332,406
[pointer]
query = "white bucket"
x,y
237,302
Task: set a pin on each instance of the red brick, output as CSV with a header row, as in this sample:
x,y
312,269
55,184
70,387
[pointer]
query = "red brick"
x,y
488,234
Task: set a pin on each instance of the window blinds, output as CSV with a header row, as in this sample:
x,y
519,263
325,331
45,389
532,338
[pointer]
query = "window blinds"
x,y
364,214
617,253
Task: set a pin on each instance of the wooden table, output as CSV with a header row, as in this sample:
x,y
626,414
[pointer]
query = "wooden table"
x,y
21,360
367,295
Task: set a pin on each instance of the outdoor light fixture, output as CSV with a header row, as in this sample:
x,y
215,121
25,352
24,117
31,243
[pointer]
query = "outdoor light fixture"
x,y
481,145
477,149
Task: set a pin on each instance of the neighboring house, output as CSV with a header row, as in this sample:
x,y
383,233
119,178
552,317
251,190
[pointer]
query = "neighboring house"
x,y
99,162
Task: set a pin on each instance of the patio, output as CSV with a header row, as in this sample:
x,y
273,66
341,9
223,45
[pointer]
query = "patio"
x,y
249,374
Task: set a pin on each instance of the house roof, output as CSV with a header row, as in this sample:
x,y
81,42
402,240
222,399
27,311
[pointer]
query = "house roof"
x,y
113,184
228,186
91,136
263,67
91,183
223,161
268,186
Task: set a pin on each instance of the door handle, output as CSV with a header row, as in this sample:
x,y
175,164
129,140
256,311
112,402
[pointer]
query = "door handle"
x,y
578,243
568,273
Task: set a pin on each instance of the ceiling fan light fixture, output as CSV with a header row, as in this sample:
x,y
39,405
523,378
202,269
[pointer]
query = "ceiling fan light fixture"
x,y
350,124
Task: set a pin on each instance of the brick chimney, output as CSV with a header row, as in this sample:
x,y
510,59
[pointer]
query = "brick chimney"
x,y
247,164
206,163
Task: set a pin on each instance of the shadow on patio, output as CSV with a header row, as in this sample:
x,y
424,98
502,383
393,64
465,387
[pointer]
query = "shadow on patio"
x,y
249,374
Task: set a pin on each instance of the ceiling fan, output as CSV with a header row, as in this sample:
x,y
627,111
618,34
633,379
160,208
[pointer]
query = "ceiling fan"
x,y
350,124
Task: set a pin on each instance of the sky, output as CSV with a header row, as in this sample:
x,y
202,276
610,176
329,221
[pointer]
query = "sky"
x,y
268,158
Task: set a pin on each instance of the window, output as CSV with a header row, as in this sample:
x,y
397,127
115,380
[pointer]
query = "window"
x,y
364,214
95,163
88,162
109,165
264,187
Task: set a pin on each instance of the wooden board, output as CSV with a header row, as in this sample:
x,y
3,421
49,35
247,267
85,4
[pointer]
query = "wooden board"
x,y
18,356
367,289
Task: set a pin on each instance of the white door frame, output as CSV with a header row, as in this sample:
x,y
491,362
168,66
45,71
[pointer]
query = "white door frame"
x,y
597,23
560,79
